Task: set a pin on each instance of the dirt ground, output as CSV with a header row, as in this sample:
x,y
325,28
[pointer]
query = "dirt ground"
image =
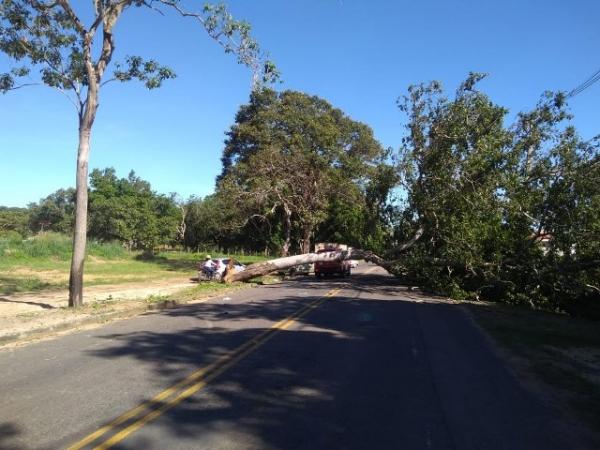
x,y
15,304
21,314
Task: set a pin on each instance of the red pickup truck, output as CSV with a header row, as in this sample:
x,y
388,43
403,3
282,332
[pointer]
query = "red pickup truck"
x,y
334,266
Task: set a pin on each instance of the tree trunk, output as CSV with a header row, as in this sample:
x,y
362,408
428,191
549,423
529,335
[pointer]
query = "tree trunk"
x,y
80,231
86,121
264,268
287,229
181,229
87,115
306,239
257,270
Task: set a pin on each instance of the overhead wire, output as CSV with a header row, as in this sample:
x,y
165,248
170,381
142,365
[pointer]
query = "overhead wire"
x,y
586,84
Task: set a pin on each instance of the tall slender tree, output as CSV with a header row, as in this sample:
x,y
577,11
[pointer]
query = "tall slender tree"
x,y
73,55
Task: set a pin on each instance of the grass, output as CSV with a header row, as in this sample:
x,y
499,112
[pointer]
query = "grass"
x,y
52,245
42,263
560,351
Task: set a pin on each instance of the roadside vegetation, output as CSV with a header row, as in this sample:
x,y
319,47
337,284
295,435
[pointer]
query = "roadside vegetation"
x,y
470,206
55,40
42,263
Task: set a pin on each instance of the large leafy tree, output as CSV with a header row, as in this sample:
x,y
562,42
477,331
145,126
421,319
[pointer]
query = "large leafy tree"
x,y
56,212
365,216
211,224
489,211
129,211
53,41
507,213
288,155
554,193
452,167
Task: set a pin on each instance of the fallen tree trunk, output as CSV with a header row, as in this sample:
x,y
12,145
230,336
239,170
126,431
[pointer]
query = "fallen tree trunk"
x,y
274,265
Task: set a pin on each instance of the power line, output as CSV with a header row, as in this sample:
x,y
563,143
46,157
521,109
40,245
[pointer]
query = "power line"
x,y
586,84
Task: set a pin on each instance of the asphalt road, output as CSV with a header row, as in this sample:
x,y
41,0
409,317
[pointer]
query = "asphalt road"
x,y
354,363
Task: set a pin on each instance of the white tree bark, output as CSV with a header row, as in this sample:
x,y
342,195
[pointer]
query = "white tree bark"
x,y
80,228
274,265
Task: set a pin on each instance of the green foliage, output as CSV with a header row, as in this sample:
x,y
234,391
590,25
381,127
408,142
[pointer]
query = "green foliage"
x,y
353,220
8,241
53,213
14,220
287,158
106,250
204,218
47,245
509,213
124,210
149,72
52,37
42,36
128,211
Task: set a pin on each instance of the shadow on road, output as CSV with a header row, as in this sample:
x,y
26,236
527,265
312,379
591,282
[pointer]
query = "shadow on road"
x,y
365,370
8,432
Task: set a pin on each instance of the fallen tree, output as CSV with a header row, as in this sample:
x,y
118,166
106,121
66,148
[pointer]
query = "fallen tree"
x,y
279,264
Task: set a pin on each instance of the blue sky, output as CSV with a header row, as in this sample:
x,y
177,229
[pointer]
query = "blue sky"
x,y
358,54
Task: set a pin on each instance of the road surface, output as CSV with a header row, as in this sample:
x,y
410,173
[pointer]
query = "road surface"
x,y
356,363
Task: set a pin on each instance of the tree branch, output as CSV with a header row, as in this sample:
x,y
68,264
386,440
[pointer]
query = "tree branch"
x,y
66,6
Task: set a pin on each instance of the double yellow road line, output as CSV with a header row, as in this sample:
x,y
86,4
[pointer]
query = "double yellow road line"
x,y
136,418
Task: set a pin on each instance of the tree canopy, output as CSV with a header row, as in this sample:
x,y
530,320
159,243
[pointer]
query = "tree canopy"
x,y
508,213
14,220
128,211
56,212
289,156
487,210
125,210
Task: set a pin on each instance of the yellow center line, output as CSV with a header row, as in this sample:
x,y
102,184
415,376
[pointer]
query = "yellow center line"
x,y
192,383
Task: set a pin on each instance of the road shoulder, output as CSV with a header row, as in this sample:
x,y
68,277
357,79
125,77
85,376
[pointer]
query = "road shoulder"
x,y
23,328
